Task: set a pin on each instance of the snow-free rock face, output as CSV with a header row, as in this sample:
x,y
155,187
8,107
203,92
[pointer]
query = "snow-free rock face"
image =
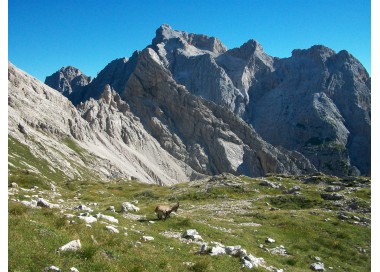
x,y
112,143
216,109
316,102
67,80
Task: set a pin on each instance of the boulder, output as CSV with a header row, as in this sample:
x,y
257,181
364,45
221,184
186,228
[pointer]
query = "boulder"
x,y
317,266
250,261
88,219
112,229
217,250
71,246
127,207
147,238
107,217
333,196
44,203
236,251
191,234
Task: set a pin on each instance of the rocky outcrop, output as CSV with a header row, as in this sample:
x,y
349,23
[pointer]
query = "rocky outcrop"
x,y
68,80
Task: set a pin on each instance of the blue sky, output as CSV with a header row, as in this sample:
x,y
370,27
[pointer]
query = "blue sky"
x,y
44,35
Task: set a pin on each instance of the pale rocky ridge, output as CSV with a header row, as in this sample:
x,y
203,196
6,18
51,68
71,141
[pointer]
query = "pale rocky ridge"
x,y
47,119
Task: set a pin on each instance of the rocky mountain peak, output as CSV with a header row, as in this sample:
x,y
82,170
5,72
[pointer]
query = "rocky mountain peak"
x,y
315,102
68,79
202,42
247,49
315,52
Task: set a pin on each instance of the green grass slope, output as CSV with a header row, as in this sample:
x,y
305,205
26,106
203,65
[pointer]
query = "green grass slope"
x,y
225,209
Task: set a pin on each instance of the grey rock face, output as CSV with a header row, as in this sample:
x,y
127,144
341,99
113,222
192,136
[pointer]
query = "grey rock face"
x,y
203,135
240,110
67,80
113,142
316,102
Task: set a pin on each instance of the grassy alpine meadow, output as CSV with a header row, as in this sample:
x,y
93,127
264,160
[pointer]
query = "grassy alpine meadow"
x,y
224,209
303,226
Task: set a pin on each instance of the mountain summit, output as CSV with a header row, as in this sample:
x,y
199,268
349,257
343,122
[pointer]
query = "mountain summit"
x,y
213,110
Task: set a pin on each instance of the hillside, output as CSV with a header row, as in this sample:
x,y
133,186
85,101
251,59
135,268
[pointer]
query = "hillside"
x,y
273,223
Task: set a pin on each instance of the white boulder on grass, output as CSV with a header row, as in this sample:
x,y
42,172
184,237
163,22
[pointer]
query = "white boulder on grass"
x,y
147,238
44,203
107,217
112,229
31,204
126,207
71,246
88,219
217,250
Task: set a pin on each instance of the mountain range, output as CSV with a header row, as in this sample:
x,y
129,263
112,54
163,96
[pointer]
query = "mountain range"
x,y
186,107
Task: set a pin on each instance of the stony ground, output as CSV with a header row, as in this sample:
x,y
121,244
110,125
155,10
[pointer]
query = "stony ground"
x,y
224,223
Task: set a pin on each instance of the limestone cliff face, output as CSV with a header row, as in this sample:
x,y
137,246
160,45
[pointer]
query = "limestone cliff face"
x,y
205,136
319,104
217,109
316,102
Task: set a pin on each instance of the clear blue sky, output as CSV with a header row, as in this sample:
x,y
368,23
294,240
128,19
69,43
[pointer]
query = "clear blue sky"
x,y
44,35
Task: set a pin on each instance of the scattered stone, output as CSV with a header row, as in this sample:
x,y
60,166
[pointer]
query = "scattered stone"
x,y
334,189
278,251
126,207
236,251
191,234
270,240
14,185
217,250
270,184
44,203
147,238
88,219
292,190
112,229
250,261
107,217
333,196
73,269
31,204
342,216
111,208
52,268
317,266
71,246
83,208
318,259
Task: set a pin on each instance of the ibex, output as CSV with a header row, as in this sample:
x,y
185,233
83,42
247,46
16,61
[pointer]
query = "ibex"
x,y
164,211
